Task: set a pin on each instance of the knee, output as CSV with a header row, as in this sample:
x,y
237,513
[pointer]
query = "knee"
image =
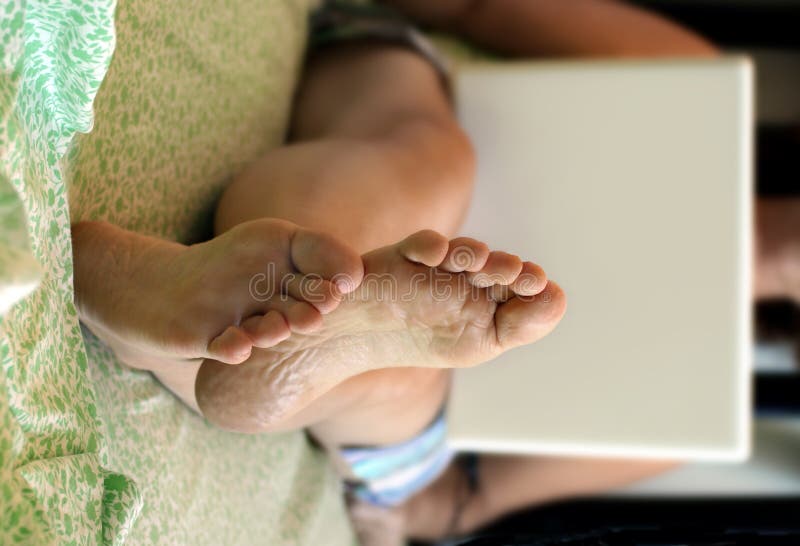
x,y
436,155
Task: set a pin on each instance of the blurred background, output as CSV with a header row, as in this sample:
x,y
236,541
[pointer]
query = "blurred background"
x,y
769,32
757,501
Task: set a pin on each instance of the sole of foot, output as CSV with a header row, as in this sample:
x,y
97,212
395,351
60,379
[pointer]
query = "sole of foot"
x,y
423,302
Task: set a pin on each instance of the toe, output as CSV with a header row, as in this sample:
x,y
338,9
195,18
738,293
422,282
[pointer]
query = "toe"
x,y
465,254
233,346
315,253
303,318
500,292
425,247
266,330
531,280
500,268
313,289
523,320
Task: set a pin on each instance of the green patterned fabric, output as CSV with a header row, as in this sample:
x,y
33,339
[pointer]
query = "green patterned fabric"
x,y
138,114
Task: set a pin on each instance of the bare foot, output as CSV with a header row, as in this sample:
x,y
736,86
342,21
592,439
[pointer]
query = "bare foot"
x,y
424,302
158,302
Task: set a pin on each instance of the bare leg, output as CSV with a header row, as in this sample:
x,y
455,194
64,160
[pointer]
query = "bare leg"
x,y
377,153
510,483
377,156
597,28
778,254
365,111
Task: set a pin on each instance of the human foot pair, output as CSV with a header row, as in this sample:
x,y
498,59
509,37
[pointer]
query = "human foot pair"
x,y
159,304
423,302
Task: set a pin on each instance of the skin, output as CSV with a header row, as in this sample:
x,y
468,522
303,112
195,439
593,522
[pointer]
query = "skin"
x,y
371,116
778,249
166,307
572,28
233,339
437,312
375,156
578,28
509,483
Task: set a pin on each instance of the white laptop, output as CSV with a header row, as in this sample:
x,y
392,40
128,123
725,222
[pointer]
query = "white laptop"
x,y
629,182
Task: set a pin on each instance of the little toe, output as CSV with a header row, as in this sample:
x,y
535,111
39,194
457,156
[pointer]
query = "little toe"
x,y
523,320
320,293
501,268
531,280
426,247
465,254
321,254
267,330
233,346
303,318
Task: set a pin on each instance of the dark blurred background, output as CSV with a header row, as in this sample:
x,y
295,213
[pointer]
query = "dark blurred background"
x,y
759,502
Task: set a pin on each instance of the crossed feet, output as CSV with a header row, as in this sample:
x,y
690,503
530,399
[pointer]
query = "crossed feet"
x,y
249,305
423,302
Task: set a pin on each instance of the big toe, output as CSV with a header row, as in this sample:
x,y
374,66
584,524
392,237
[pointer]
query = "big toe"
x,y
323,255
522,320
